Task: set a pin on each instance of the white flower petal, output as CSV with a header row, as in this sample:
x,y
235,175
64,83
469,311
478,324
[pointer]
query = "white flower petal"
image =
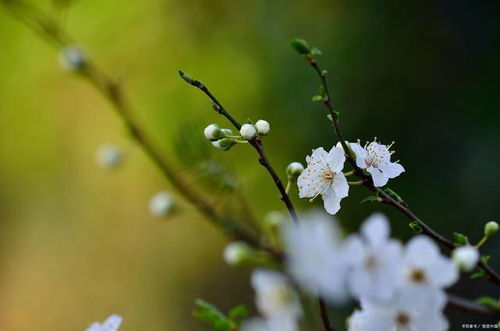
x,y
420,248
360,153
340,185
391,169
331,201
336,159
376,229
443,272
379,179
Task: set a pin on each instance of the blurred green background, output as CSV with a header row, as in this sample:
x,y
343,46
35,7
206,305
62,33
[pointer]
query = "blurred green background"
x,y
77,242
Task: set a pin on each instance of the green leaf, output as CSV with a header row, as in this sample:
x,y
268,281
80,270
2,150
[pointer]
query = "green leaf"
x,y
317,98
460,239
478,274
393,194
208,313
370,199
238,314
485,259
316,51
489,302
301,46
415,227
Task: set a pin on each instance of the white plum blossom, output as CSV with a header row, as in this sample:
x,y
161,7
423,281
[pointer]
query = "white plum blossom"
x,y
374,261
276,300
314,256
248,131
263,127
161,204
323,176
425,269
376,159
465,257
112,323
405,313
109,156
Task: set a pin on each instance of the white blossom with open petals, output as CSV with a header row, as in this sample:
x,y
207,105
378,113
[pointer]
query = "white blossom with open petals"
x,y
405,312
374,260
276,300
376,159
112,323
323,176
314,256
424,268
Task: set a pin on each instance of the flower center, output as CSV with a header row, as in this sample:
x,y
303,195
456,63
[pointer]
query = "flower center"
x,y
371,262
402,319
328,175
417,275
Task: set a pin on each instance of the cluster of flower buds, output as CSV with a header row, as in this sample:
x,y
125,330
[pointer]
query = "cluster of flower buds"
x,y
224,139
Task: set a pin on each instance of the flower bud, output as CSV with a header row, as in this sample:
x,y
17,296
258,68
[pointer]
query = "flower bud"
x,y
301,46
237,253
161,204
213,132
227,132
72,58
263,127
490,228
294,170
248,131
223,144
109,156
465,257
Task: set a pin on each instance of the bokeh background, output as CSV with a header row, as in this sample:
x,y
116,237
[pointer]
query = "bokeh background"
x,y
77,242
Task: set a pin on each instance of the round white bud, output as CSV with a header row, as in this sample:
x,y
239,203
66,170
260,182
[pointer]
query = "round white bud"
x,y
109,156
465,257
263,127
72,58
248,131
161,204
227,132
213,132
294,170
236,253
490,228
223,144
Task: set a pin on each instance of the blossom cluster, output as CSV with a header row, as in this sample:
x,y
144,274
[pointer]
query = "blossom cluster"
x,y
323,175
398,287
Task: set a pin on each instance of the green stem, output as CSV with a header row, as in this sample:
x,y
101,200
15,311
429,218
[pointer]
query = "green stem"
x,y
358,182
482,241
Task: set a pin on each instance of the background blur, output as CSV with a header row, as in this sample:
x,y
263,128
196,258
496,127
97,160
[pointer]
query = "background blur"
x,y
77,242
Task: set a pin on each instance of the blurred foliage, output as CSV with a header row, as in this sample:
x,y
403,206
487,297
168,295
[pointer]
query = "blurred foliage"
x,y
77,243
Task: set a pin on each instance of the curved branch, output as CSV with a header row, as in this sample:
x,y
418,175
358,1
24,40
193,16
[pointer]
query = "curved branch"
x,y
472,307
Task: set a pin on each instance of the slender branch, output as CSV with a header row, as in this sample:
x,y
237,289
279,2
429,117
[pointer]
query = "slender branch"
x,y
401,206
325,318
468,306
256,143
49,30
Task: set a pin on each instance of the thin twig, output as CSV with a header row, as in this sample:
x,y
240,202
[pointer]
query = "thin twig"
x,y
256,143
472,307
325,318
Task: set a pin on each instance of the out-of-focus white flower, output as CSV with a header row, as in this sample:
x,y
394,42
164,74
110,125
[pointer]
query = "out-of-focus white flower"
x,y
376,159
424,268
276,300
161,204
405,312
236,252
213,132
248,131
374,261
465,257
314,256
323,176
72,58
263,127
109,156
112,323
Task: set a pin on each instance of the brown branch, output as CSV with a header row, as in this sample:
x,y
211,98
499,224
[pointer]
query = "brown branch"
x,y
472,307
325,318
